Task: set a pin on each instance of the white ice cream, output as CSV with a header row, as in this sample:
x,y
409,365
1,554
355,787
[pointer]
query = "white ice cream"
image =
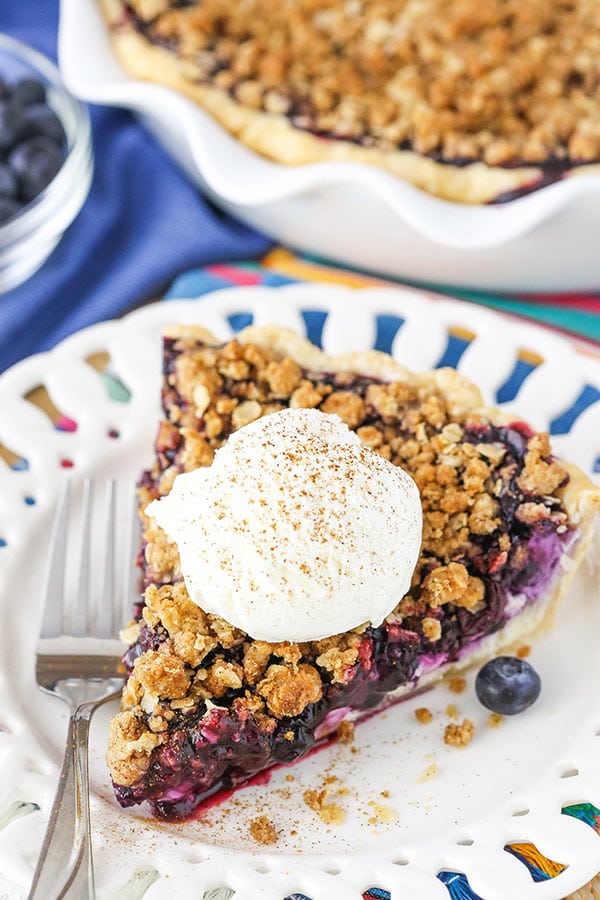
x,y
297,531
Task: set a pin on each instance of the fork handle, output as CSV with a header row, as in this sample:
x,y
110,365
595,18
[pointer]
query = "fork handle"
x,y
64,868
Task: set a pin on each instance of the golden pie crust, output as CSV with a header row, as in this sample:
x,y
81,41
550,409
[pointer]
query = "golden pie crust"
x,y
469,100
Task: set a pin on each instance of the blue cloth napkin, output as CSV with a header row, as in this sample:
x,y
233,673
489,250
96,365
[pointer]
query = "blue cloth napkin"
x,y
142,224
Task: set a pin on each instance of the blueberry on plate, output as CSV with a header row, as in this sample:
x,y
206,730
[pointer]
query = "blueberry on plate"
x,y
507,685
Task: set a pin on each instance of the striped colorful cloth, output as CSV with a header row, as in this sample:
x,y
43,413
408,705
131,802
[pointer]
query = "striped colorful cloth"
x,y
576,314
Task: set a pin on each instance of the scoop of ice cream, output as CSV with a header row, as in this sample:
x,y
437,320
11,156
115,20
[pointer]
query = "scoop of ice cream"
x,y
296,531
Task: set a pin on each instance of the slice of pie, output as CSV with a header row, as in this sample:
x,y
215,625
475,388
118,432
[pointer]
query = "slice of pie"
x,y
474,101
505,525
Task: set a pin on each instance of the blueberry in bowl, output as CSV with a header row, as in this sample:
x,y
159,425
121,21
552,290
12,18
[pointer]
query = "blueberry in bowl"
x,y
45,160
32,144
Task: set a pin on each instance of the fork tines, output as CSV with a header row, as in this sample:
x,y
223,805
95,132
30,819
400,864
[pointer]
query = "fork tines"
x,y
81,596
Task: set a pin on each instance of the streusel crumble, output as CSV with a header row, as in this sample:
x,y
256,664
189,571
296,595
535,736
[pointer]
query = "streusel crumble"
x,y
473,100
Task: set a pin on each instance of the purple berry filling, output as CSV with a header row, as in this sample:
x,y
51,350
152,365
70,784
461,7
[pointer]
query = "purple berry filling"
x,y
197,760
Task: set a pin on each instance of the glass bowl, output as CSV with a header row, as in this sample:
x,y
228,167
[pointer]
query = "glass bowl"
x,y
28,238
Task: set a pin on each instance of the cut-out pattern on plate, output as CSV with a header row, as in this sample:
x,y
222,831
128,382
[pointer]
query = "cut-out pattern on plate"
x,y
314,320
387,328
100,362
563,423
524,366
16,810
458,886
12,459
240,320
585,812
458,341
540,867
138,885
39,397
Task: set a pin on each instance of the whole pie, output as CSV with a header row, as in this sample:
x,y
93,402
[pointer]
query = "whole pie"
x,y
207,707
471,100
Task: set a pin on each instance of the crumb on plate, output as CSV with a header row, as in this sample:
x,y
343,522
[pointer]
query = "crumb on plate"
x,y
330,813
452,711
459,735
429,773
457,684
382,814
345,732
263,830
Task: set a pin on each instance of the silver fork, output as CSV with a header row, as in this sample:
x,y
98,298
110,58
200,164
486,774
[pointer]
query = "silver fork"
x,y
78,658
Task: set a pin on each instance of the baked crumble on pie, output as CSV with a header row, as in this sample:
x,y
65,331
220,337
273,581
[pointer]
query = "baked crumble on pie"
x,y
505,524
474,101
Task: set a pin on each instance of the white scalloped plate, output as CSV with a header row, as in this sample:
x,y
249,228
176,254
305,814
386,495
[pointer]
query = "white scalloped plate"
x,y
355,214
509,785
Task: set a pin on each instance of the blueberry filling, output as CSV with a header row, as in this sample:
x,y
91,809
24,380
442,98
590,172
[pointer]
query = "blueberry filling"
x,y
197,760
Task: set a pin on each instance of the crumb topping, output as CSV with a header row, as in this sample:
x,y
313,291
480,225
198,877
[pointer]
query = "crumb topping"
x,y
163,673
452,584
423,715
541,474
189,666
338,655
288,690
130,744
503,82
